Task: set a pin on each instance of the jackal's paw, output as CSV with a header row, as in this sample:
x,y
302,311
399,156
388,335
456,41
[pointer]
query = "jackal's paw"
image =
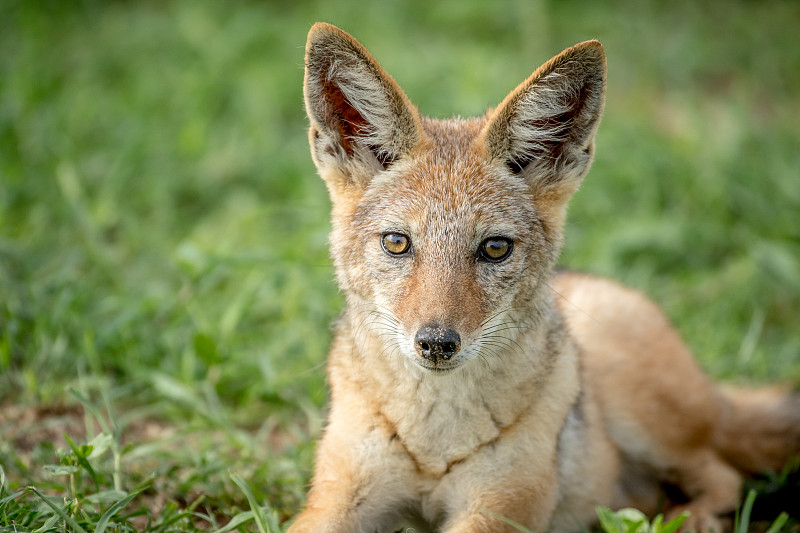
x,y
700,520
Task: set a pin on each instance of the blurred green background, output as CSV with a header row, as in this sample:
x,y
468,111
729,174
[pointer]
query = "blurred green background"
x,y
163,232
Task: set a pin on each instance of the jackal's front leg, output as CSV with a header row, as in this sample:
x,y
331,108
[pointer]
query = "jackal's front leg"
x,y
528,500
359,480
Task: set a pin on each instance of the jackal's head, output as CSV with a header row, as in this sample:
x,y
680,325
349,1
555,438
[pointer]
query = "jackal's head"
x,y
444,232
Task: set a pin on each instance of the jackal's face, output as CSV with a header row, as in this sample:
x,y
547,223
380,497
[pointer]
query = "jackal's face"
x,y
444,231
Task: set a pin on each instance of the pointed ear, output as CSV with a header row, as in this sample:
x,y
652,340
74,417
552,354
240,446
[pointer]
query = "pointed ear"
x,y
361,122
544,130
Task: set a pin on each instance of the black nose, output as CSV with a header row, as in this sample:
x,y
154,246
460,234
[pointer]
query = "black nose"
x,y
436,343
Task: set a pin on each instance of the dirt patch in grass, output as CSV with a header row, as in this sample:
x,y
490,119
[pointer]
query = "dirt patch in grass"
x,y
25,428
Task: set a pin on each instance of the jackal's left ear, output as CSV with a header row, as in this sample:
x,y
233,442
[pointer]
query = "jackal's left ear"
x,y
361,122
544,130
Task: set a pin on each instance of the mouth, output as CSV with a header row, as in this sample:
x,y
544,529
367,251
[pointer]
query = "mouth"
x,y
437,368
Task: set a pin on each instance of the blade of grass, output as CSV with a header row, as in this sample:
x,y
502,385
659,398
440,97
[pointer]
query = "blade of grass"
x,y
165,526
779,522
112,430
609,521
81,456
60,512
236,521
88,405
742,522
49,524
113,510
673,525
257,514
13,496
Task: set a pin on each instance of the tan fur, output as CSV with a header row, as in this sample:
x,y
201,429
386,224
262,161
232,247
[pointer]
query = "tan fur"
x,y
560,392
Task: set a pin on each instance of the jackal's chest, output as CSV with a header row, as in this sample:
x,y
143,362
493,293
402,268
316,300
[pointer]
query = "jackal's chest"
x,y
442,431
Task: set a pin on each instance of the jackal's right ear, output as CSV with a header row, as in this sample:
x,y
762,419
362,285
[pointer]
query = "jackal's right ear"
x,y
361,122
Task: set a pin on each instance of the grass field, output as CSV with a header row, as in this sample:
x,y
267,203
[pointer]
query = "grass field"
x,y
165,290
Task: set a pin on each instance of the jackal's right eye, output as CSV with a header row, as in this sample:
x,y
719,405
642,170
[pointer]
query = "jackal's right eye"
x,y
395,243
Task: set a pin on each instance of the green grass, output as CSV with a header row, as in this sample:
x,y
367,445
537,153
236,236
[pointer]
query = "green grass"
x,y
163,233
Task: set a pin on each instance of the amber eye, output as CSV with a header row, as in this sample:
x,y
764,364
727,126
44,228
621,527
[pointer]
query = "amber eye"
x,y
495,249
395,243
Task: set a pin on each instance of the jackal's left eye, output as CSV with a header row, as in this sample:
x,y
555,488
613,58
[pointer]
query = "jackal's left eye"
x,y
495,249
395,243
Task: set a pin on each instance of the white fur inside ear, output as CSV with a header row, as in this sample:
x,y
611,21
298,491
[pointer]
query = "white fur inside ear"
x,y
542,118
544,130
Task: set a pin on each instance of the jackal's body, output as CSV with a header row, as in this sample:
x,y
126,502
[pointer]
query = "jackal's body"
x,y
468,382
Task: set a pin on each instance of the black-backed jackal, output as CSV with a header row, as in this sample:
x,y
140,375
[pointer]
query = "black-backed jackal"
x,y
468,381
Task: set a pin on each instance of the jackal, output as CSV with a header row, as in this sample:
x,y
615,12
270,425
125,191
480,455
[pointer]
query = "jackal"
x,y
470,384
